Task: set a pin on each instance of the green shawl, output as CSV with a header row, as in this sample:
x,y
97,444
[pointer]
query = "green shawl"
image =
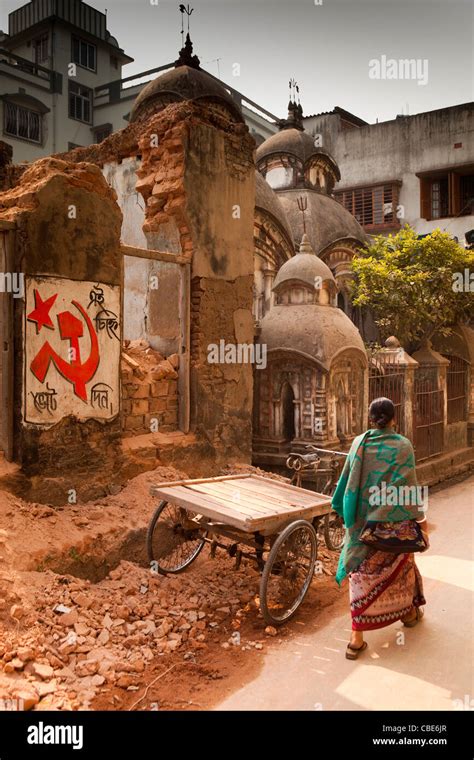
x,y
377,461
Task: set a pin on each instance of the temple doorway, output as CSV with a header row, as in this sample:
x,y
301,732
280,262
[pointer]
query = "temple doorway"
x,y
288,412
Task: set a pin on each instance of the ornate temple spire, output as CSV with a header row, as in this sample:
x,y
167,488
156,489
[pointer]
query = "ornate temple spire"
x,y
186,57
305,245
295,111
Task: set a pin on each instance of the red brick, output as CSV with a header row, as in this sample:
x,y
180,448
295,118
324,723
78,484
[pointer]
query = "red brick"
x,y
157,404
138,391
160,388
170,418
140,406
134,423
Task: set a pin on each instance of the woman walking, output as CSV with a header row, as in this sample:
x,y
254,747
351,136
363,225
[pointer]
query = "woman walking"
x,y
378,498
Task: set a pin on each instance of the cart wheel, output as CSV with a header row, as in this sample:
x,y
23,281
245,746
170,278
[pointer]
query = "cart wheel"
x,y
172,540
288,572
334,531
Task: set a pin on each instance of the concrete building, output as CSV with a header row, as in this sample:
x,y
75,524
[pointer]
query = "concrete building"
x,y
416,170
61,83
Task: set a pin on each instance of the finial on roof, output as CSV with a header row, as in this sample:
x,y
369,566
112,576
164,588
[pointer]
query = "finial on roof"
x,y
186,57
305,245
295,111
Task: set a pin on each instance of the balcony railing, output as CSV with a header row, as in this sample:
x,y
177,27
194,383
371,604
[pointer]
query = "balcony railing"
x,y
113,92
22,65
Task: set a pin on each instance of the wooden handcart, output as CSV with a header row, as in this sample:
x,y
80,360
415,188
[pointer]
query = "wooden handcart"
x,y
268,521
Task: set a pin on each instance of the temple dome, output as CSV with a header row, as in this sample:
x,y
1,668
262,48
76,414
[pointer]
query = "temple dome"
x,y
304,267
187,81
316,332
297,143
327,221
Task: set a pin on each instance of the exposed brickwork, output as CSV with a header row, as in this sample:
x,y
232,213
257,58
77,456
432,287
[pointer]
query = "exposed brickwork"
x,y
149,391
223,392
164,148
197,164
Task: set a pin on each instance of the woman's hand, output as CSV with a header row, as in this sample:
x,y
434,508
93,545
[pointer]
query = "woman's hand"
x,y
425,528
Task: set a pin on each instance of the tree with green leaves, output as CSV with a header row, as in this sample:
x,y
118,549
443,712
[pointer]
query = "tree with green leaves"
x,y
415,287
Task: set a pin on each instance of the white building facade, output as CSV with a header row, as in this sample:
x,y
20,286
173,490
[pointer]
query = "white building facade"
x,y
416,170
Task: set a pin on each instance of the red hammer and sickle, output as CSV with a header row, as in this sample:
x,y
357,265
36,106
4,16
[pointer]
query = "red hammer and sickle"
x,y
71,328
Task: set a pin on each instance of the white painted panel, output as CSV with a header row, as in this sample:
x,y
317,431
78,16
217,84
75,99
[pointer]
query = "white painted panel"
x,y
72,350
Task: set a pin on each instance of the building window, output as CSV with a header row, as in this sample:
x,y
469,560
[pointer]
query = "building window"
x,y
84,54
467,194
445,194
22,122
373,207
439,198
80,102
40,48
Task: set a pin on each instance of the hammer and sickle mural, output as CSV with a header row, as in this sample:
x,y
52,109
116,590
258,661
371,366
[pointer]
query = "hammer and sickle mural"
x,y
77,372
74,352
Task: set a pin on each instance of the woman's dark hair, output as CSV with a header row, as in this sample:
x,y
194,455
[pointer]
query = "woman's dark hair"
x,y
381,412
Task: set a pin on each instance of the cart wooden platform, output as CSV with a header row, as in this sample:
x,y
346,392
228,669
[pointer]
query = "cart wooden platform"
x,y
274,521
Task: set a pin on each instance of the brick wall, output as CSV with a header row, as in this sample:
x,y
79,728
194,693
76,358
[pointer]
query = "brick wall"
x,y
149,390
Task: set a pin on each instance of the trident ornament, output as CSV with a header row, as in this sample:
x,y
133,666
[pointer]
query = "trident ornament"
x,y
302,202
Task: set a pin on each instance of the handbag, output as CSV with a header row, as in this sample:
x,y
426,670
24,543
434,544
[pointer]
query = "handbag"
x,y
394,537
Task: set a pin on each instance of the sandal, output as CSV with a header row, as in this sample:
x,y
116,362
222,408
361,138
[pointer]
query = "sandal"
x,y
418,616
352,653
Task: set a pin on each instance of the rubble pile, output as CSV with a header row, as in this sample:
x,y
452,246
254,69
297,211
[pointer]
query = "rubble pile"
x,y
67,643
83,636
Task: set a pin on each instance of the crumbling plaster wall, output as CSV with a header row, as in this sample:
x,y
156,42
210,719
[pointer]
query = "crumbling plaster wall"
x,y
197,178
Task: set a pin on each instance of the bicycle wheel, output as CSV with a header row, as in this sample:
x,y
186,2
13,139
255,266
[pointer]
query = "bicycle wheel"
x,y
288,572
173,540
334,531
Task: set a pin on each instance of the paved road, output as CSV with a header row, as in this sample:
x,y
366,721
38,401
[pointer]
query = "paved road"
x,y
424,668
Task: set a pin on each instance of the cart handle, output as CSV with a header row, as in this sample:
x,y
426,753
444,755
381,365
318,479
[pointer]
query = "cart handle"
x,y
325,451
